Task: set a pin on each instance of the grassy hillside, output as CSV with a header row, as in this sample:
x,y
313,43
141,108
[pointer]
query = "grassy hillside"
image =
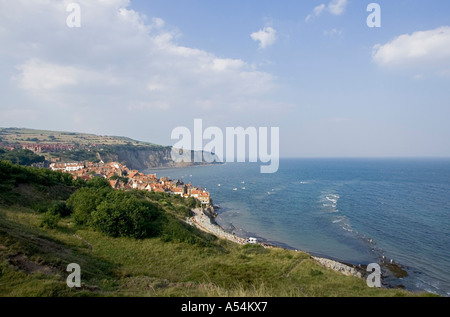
x,y
85,147
177,261
13,135
71,146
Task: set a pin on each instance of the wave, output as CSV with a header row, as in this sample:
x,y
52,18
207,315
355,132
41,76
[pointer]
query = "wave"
x,y
330,201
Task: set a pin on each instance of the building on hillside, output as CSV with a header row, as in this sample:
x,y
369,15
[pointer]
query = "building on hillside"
x,y
204,198
67,167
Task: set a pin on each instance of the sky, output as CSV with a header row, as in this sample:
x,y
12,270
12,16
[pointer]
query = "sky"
x,y
334,86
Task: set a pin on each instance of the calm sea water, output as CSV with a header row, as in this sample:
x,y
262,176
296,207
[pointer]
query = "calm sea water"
x,y
350,210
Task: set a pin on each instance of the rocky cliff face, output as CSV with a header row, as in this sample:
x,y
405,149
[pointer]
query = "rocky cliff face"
x,y
141,159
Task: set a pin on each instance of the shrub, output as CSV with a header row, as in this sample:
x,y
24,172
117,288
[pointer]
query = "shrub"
x,y
123,215
41,207
191,202
61,209
254,249
98,182
315,272
85,201
183,210
176,231
50,220
22,157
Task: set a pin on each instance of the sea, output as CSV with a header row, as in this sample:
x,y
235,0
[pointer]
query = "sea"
x,y
351,210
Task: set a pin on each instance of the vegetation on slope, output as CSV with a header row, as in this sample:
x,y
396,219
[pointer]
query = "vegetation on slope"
x,y
16,135
171,258
22,157
87,147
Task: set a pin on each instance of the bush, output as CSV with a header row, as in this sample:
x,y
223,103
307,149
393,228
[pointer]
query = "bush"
x,y
50,220
41,207
176,231
98,182
85,201
61,209
22,157
315,272
253,249
135,214
191,202
14,174
124,215
183,210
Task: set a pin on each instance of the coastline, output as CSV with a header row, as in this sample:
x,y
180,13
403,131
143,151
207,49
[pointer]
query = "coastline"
x,y
402,274
207,224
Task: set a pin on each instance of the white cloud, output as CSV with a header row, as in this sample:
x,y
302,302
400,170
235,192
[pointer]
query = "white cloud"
x,y
332,32
423,49
335,7
39,76
221,64
119,64
266,37
316,12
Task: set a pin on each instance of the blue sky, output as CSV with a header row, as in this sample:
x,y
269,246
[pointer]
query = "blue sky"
x,y
334,87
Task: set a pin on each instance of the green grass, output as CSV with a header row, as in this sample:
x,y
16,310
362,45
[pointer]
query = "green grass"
x,y
154,267
105,145
12,135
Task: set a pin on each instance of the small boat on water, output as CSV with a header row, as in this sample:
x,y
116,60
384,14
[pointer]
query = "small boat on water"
x,y
235,189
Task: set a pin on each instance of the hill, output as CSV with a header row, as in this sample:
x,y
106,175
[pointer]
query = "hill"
x,y
171,259
71,146
23,135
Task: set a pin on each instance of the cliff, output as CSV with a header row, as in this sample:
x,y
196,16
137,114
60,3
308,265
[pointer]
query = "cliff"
x,y
78,147
141,158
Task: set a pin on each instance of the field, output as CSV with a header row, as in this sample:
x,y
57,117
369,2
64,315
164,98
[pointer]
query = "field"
x,y
13,135
76,146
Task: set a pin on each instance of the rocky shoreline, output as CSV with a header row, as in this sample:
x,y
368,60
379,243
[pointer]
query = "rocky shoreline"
x,y
205,222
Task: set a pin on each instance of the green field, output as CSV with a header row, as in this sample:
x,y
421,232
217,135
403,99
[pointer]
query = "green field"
x,y
13,135
85,147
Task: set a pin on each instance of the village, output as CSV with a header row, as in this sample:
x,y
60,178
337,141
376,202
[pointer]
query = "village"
x,y
120,177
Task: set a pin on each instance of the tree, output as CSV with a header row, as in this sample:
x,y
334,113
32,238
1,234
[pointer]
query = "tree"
x,y
50,220
98,182
123,215
61,208
21,157
191,202
85,201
